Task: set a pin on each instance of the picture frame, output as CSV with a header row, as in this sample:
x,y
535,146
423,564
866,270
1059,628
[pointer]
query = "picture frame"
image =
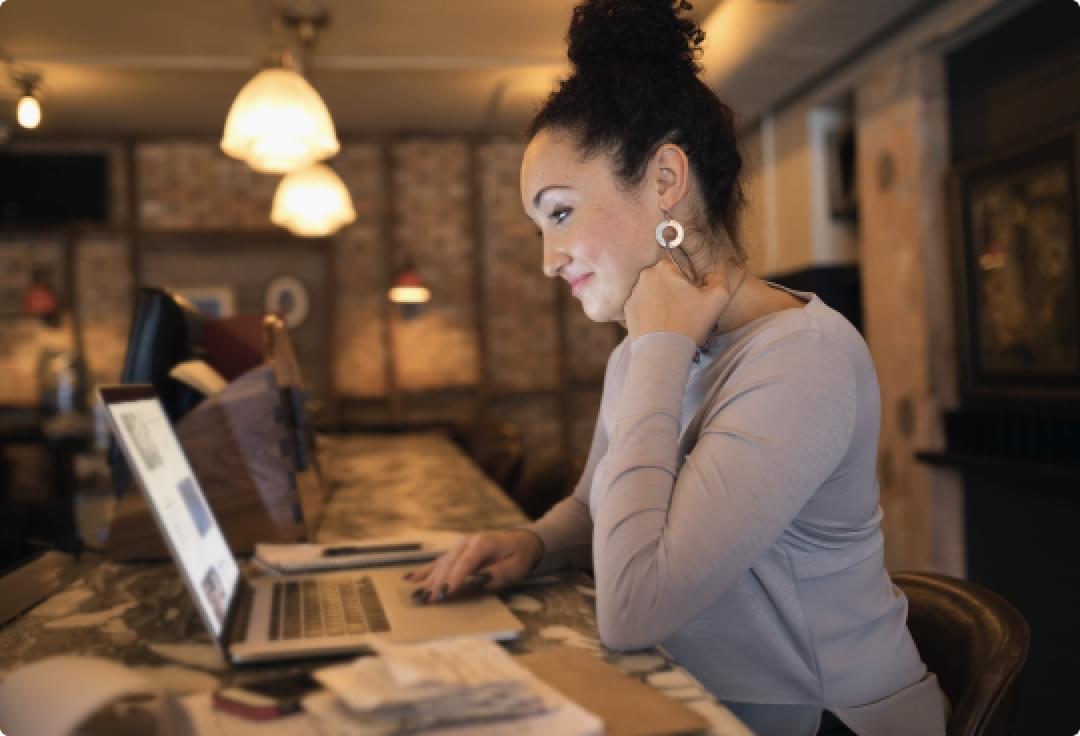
x,y
287,296
1014,223
212,301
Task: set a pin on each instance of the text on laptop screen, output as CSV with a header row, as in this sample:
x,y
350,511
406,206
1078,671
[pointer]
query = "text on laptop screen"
x,y
200,547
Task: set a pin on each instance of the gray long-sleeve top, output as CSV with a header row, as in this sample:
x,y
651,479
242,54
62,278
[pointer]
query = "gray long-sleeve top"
x,y
731,510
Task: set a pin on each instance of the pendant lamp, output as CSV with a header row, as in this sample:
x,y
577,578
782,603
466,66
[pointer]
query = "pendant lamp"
x,y
312,202
279,123
28,109
39,299
408,287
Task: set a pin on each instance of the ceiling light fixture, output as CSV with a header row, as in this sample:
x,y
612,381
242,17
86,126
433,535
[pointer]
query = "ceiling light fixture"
x,y
278,122
312,202
28,111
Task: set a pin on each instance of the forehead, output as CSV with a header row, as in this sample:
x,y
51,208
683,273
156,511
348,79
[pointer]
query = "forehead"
x,y
554,159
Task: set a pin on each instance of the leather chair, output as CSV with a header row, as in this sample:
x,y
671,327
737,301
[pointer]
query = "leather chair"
x,y
976,644
164,332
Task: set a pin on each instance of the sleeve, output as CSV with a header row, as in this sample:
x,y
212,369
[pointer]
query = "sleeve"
x,y
566,531
669,540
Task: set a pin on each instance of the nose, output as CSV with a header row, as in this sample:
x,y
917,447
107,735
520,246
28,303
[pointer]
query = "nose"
x,y
554,260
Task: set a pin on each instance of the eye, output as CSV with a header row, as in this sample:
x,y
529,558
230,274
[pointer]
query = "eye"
x,y
559,214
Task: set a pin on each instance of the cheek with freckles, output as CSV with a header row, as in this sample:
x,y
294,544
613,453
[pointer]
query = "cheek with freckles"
x,y
615,263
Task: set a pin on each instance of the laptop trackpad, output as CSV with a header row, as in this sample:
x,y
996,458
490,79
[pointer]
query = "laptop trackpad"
x,y
480,614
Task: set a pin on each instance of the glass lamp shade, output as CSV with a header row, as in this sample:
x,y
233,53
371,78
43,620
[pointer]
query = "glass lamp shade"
x,y
409,288
312,202
28,112
278,123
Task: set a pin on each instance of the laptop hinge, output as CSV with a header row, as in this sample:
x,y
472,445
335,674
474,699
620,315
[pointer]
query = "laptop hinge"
x,y
239,614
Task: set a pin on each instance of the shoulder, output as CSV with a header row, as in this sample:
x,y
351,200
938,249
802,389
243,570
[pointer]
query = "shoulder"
x,y
815,338
794,363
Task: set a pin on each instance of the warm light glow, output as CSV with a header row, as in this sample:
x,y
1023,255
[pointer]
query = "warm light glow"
x,y
28,112
408,286
409,294
312,202
278,123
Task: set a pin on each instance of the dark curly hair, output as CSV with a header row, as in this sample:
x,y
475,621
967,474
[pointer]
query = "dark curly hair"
x,y
634,87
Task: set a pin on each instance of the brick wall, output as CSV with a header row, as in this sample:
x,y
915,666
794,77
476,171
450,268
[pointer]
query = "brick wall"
x,y
451,204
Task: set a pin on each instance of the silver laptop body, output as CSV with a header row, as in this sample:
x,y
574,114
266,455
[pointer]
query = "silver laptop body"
x,y
271,617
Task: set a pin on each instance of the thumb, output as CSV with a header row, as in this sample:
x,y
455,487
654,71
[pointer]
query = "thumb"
x,y
504,572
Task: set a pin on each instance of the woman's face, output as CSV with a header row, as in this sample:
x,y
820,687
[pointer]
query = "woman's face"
x,y
596,236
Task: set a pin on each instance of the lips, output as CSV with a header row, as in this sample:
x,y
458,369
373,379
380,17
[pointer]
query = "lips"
x,y
577,282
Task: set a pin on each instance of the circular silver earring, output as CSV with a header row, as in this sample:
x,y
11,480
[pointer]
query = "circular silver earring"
x,y
672,224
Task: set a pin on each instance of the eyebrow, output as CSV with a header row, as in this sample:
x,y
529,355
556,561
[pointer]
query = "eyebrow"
x,y
539,195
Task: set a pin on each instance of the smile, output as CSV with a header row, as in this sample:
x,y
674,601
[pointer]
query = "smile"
x,y
576,284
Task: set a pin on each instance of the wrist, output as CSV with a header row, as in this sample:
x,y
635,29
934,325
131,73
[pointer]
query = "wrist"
x,y
531,544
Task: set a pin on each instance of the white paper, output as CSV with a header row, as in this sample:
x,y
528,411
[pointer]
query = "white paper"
x,y
464,685
292,558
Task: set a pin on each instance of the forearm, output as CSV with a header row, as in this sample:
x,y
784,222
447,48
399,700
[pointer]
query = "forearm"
x,y
565,533
633,493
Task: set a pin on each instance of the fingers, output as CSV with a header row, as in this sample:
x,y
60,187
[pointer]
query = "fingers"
x,y
449,572
478,553
425,575
421,574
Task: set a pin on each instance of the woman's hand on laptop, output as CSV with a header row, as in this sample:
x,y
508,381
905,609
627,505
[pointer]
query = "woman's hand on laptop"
x,y
485,560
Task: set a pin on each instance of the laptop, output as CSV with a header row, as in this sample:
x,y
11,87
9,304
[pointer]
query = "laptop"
x,y
271,617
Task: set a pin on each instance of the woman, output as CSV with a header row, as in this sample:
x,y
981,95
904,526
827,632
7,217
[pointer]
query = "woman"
x,y
729,503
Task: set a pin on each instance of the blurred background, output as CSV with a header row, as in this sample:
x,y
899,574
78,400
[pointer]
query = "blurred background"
x,y
913,162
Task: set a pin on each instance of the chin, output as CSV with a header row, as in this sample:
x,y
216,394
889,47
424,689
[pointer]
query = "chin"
x,y
600,310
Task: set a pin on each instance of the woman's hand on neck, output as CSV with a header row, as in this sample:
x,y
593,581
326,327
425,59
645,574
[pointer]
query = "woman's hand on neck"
x,y
663,300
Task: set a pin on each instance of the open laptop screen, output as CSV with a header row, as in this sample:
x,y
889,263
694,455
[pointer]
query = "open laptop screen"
x,y
158,461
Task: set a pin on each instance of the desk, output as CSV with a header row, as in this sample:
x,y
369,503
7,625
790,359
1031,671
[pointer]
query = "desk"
x,y
142,616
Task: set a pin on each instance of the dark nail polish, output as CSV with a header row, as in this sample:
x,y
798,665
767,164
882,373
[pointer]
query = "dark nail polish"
x,y
426,597
416,594
443,592
482,578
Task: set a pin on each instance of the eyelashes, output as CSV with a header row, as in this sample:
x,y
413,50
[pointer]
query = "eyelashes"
x,y
557,216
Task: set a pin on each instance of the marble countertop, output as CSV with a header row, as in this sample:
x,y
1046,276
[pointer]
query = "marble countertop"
x,y
142,616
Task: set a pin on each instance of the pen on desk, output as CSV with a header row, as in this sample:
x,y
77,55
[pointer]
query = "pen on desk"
x,y
373,549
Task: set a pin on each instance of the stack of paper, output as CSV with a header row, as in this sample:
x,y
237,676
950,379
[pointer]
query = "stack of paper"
x,y
417,545
455,685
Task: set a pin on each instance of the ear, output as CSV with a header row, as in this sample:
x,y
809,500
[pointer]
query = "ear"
x,y
669,169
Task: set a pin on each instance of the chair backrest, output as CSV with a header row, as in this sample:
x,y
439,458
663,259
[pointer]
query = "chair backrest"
x,y
976,644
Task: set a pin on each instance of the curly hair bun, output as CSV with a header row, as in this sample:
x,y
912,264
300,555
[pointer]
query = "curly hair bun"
x,y
604,32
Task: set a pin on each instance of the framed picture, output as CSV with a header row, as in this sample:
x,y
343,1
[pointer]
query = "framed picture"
x,y
287,296
1015,220
213,301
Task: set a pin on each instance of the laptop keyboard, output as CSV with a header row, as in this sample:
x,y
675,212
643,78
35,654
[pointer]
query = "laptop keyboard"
x,y
316,608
